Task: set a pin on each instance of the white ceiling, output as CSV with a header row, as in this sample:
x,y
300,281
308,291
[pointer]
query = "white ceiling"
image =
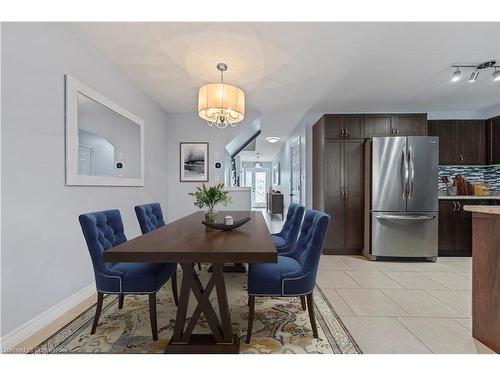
x,y
290,69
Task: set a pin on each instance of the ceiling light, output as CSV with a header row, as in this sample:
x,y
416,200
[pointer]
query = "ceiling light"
x,y
456,75
221,104
276,139
473,76
496,75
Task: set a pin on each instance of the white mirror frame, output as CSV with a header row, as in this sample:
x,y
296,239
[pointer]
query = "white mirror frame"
x,y
73,87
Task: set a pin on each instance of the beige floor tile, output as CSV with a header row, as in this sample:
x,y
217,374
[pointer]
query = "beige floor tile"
x,y
334,263
361,263
444,335
373,279
400,266
383,335
421,304
451,280
414,280
458,300
464,322
334,279
458,264
370,302
437,266
337,302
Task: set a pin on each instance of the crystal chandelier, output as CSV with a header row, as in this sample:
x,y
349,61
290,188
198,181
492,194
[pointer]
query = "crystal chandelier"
x,y
221,104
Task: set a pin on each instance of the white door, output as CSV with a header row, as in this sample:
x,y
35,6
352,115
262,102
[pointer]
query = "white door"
x,y
258,180
295,175
85,160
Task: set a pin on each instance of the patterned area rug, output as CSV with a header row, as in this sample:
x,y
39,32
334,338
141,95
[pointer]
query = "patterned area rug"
x,y
280,326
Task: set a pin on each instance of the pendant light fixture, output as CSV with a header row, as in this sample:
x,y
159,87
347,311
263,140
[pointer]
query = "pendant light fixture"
x,y
221,104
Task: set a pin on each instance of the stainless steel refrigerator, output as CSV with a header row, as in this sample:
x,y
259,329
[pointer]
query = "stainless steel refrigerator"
x,y
401,197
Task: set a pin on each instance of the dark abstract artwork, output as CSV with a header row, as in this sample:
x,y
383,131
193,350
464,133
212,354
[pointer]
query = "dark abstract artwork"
x,y
194,161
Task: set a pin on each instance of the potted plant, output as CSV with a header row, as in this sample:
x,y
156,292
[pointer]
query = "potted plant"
x,y
210,197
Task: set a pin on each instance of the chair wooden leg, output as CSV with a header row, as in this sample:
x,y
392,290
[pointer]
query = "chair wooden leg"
x,y
98,309
152,316
251,310
174,289
303,302
312,318
199,266
121,298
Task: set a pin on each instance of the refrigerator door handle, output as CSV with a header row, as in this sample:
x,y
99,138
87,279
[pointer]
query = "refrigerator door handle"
x,y
406,217
405,174
411,180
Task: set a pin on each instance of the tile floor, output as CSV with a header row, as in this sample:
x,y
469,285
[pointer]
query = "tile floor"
x,y
400,307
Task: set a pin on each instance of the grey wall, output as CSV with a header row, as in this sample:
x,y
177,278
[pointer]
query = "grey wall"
x,y
44,256
185,128
304,131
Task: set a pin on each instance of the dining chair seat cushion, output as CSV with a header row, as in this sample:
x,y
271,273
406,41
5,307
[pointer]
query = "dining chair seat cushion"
x,y
278,241
266,279
143,277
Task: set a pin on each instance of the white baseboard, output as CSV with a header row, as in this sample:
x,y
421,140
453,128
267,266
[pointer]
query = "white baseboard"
x,y
29,328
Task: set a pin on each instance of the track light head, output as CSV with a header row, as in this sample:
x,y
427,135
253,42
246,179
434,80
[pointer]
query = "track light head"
x,y
456,75
496,75
474,76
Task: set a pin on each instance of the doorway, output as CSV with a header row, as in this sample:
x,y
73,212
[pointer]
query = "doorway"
x,y
258,180
296,172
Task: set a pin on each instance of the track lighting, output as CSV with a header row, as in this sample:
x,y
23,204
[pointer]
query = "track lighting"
x,y
477,69
473,76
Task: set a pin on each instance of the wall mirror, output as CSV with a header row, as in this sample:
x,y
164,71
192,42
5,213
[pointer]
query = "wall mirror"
x,y
104,142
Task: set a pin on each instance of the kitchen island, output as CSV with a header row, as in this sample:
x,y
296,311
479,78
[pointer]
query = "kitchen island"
x,y
486,275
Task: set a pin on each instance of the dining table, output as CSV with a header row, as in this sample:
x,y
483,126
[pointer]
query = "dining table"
x,y
187,241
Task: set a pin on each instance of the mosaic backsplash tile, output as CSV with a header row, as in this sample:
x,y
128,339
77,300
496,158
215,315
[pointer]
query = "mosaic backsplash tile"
x,y
489,174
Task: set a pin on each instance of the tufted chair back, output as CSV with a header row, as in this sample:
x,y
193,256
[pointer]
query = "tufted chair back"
x,y
310,242
102,230
292,222
149,216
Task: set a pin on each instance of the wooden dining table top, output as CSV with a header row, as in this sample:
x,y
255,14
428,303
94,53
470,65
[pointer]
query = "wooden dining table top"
x,y
188,241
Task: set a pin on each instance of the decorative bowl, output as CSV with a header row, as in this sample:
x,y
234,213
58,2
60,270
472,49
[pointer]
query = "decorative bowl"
x,y
222,226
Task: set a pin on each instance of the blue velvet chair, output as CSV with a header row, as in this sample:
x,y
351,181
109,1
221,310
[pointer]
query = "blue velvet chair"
x,y
286,239
104,230
150,217
293,275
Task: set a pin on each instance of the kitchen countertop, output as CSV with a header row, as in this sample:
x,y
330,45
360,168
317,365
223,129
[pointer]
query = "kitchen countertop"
x,y
493,210
493,195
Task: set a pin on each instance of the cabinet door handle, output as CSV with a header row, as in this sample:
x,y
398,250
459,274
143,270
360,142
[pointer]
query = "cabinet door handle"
x,y
458,206
342,132
454,206
346,132
461,158
346,193
341,193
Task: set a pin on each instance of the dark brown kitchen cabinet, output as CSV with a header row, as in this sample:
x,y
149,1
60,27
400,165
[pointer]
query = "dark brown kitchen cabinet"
x,y
343,195
493,140
471,142
411,124
455,227
377,125
344,126
460,141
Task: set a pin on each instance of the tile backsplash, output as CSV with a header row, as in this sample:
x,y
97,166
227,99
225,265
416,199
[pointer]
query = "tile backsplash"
x,y
489,174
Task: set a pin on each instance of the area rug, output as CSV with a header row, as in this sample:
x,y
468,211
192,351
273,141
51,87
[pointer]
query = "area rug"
x,y
280,326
